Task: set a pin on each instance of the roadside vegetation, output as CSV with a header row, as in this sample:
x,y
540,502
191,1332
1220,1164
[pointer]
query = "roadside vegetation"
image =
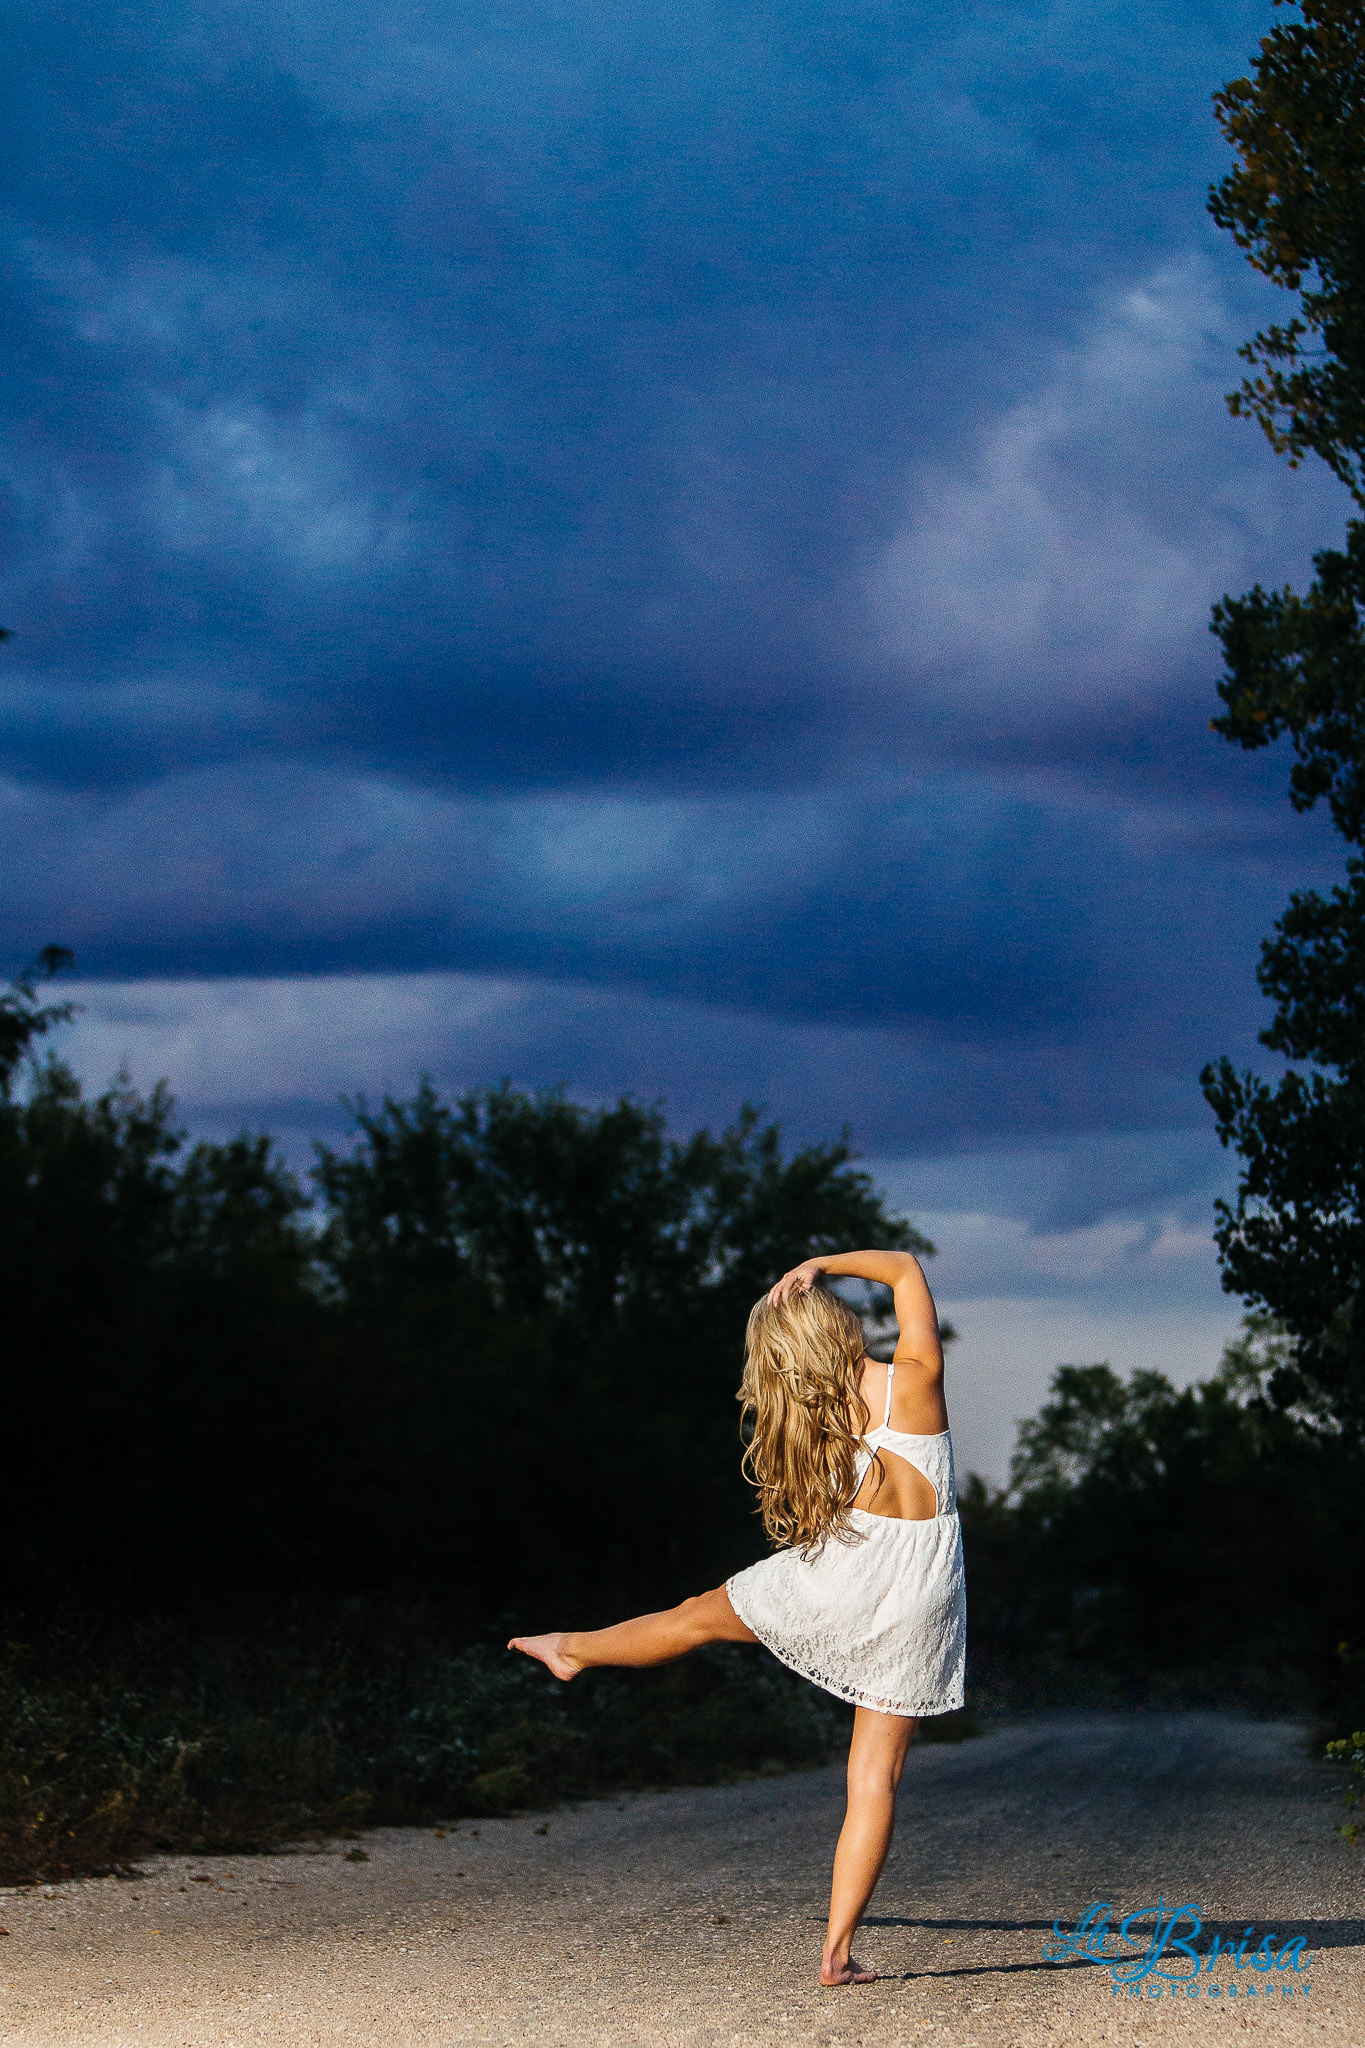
x,y
286,1459
175,1740
291,1460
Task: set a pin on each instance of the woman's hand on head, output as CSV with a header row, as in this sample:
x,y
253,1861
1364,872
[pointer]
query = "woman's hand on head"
x,y
799,1280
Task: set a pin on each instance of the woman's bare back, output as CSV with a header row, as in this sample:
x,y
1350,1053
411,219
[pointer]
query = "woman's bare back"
x,y
892,1485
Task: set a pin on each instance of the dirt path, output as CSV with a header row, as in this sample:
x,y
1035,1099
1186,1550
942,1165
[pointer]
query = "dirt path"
x,y
695,1917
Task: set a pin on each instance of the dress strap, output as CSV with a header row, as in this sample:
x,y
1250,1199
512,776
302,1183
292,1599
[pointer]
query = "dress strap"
x,y
890,1382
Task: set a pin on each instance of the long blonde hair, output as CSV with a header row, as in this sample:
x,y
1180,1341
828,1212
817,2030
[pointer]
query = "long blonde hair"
x,y
802,1359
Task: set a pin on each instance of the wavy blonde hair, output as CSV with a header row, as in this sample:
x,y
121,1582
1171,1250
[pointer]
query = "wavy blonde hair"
x,y
802,1359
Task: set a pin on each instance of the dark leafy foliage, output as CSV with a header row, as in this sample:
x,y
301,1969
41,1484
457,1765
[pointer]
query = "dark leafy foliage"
x,y
174,1739
486,1362
22,1017
1293,202
1150,1530
1295,1239
1295,669
562,1293
491,1361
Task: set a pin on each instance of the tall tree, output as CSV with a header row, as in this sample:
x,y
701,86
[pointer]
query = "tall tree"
x,y
1294,1240
550,1302
159,1317
1295,203
494,1365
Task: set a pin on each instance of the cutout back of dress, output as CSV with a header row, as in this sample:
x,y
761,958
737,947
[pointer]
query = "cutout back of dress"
x,y
931,1456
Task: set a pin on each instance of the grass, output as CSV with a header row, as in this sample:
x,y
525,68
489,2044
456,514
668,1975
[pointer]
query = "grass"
x,y
234,1742
114,1744
118,1743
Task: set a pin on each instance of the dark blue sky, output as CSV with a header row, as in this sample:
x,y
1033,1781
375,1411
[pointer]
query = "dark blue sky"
x,y
694,527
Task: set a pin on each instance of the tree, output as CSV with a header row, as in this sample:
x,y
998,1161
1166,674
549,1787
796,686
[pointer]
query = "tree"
x,y
596,1218
1149,1526
160,1312
1295,202
492,1364
1294,1240
560,1292
23,1018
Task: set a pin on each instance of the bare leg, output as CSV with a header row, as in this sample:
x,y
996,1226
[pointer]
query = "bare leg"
x,y
648,1639
876,1758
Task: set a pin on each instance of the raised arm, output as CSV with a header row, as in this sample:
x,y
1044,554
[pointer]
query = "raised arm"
x,y
916,1315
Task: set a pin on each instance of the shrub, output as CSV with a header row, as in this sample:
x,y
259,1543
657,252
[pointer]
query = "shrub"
x,y
239,1743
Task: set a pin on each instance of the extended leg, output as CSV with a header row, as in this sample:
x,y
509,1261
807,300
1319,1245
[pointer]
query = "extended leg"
x,y
876,1758
648,1639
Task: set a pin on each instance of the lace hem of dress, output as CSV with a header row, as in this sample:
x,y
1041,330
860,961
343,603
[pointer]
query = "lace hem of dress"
x,y
921,1710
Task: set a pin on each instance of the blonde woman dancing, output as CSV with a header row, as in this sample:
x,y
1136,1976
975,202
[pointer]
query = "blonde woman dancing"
x,y
865,1595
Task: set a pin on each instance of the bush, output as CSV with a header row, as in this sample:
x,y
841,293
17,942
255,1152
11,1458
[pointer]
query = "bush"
x,y
238,1743
1350,1751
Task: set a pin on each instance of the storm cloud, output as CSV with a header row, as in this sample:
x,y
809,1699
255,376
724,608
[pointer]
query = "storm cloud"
x,y
699,522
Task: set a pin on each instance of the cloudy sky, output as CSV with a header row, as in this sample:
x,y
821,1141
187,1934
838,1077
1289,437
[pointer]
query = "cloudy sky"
x,y
661,549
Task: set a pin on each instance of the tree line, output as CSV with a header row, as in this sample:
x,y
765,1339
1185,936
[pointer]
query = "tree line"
x,y
486,1356
485,1359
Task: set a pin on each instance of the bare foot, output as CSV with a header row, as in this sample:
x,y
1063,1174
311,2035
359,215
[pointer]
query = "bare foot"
x,y
550,1650
850,1971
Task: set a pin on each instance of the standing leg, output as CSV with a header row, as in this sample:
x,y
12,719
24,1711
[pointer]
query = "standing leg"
x,y
648,1639
876,1758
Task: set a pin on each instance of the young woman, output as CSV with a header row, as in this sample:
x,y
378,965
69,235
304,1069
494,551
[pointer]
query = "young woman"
x,y
865,1595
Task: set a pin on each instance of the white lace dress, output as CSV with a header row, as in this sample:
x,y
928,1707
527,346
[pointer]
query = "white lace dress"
x,y
879,1617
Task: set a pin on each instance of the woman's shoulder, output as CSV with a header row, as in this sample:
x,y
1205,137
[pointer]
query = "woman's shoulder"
x,y
917,1404
918,1407
872,1384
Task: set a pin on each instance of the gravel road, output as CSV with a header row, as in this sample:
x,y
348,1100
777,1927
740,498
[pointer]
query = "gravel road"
x,y
694,1918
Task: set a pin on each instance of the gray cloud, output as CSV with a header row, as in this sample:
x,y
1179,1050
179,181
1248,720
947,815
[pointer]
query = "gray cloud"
x,y
700,515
